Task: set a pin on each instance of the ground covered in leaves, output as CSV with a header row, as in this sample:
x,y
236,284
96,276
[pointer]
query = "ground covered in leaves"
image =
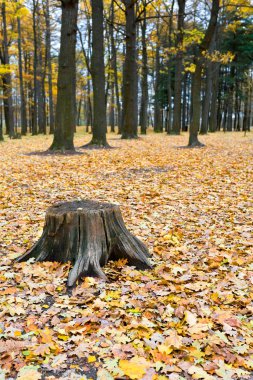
x,y
190,317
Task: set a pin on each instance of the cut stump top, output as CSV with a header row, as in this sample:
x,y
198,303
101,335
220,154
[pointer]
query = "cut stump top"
x,y
82,205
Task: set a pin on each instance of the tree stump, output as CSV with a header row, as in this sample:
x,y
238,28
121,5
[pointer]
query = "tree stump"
x,y
88,234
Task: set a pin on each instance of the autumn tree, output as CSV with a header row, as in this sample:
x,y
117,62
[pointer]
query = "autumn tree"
x,y
130,98
6,76
196,83
65,117
98,76
177,113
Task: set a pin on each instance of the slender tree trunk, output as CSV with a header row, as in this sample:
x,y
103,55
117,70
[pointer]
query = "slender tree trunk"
x,y
112,109
213,119
49,67
35,60
1,122
196,84
89,107
78,119
130,116
41,73
184,108
246,116
6,80
98,76
114,67
21,82
65,117
144,79
177,119
207,98
230,103
170,64
157,111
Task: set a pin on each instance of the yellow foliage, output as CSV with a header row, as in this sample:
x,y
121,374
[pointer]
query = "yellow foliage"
x,y
135,368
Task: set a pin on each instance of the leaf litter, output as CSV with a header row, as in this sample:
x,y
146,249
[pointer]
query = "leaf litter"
x,y
190,317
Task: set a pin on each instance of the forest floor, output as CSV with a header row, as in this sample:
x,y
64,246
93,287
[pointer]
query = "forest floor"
x,y
190,317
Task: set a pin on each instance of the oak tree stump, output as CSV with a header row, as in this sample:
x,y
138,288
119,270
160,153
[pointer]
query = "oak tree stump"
x,y
88,234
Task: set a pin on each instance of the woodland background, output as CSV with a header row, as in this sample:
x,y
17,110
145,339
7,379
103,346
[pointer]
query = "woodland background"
x,y
154,47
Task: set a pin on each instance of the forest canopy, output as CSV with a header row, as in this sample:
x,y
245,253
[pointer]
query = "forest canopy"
x,y
169,65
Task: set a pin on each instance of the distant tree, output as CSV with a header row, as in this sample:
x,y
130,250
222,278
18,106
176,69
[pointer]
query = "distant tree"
x,y
23,111
65,117
196,83
98,76
130,98
49,65
144,75
6,77
177,113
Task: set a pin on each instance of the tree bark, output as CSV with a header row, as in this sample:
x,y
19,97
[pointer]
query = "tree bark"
x,y
115,68
207,98
196,83
112,109
49,67
130,116
35,60
177,114
6,79
40,82
144,78
213,119
98,76
88,234
184,106
1,123
65,117
158,127
21,81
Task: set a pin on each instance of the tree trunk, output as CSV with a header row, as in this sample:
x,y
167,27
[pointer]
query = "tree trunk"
x,y
213,119
1,123
184,107
65,117
114,67
207,98
144,79
6,80
88,234
196,88
89,113
21,82
98,77
112,109
49,67
157,111
130,116
196,84
177,114
169,86
41,73
35,59
230,103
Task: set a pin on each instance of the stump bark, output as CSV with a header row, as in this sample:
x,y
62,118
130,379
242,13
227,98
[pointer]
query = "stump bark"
x,y
88,234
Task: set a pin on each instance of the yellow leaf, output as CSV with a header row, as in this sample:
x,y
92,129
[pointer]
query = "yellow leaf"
x,y
134,368
91,359
165,349
63,337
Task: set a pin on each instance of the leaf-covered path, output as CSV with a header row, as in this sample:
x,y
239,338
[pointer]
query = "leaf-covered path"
x,y
190,317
